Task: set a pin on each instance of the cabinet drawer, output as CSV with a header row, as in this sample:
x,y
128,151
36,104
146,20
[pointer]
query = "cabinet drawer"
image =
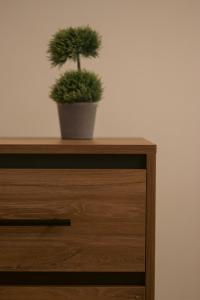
x,y
107,212
50,191
72,293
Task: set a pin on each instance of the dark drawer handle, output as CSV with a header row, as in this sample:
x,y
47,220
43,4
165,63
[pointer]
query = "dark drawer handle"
x,y
35,222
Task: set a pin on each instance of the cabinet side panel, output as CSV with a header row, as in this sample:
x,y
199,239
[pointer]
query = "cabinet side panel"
x,y
150,226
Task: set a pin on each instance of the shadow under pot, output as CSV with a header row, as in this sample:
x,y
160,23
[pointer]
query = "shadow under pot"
x,y
77,120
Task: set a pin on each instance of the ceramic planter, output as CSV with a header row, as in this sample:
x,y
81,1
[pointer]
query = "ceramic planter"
x,y
77,120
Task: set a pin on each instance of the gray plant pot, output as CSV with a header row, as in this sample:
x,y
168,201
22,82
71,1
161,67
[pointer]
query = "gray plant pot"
x,y
77,120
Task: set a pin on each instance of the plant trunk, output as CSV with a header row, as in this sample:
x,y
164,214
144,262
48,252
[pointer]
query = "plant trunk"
x,y
78,62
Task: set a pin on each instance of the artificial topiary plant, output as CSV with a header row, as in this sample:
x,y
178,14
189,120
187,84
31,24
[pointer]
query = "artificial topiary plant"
x,y
76,91
81,85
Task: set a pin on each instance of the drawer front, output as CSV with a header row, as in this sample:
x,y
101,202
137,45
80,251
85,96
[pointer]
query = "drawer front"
x,y
72,293
106,208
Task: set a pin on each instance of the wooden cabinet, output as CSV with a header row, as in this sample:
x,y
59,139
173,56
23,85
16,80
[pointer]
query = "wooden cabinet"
x,y
72,293
77,219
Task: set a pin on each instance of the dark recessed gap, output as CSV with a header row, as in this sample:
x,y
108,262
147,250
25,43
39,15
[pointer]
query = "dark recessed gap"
x,y
72,278
73,161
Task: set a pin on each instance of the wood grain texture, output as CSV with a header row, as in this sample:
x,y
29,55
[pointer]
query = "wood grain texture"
x,y
150,226
98,146
113,220
72,293
107,212
77,253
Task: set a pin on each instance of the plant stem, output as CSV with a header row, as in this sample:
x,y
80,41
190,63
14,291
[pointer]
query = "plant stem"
x,y
78,62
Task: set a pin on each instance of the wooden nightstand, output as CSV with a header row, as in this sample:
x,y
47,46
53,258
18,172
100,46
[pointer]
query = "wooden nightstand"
x,y
77,219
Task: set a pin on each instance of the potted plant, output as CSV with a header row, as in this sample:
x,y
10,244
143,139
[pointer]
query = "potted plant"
x,y
76,92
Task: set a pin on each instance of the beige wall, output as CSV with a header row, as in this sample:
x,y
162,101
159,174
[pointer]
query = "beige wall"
x,y
150,65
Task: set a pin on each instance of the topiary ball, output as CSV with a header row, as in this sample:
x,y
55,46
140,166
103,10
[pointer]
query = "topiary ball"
x,y
77,86
71,42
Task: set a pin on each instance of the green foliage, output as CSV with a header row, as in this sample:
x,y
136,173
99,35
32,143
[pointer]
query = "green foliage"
x,y
77,86
70,43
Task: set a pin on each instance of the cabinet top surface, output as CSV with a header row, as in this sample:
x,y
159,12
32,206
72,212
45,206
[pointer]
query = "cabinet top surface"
x,y
56,145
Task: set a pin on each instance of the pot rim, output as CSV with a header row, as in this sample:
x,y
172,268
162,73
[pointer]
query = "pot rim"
x,y
77,103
